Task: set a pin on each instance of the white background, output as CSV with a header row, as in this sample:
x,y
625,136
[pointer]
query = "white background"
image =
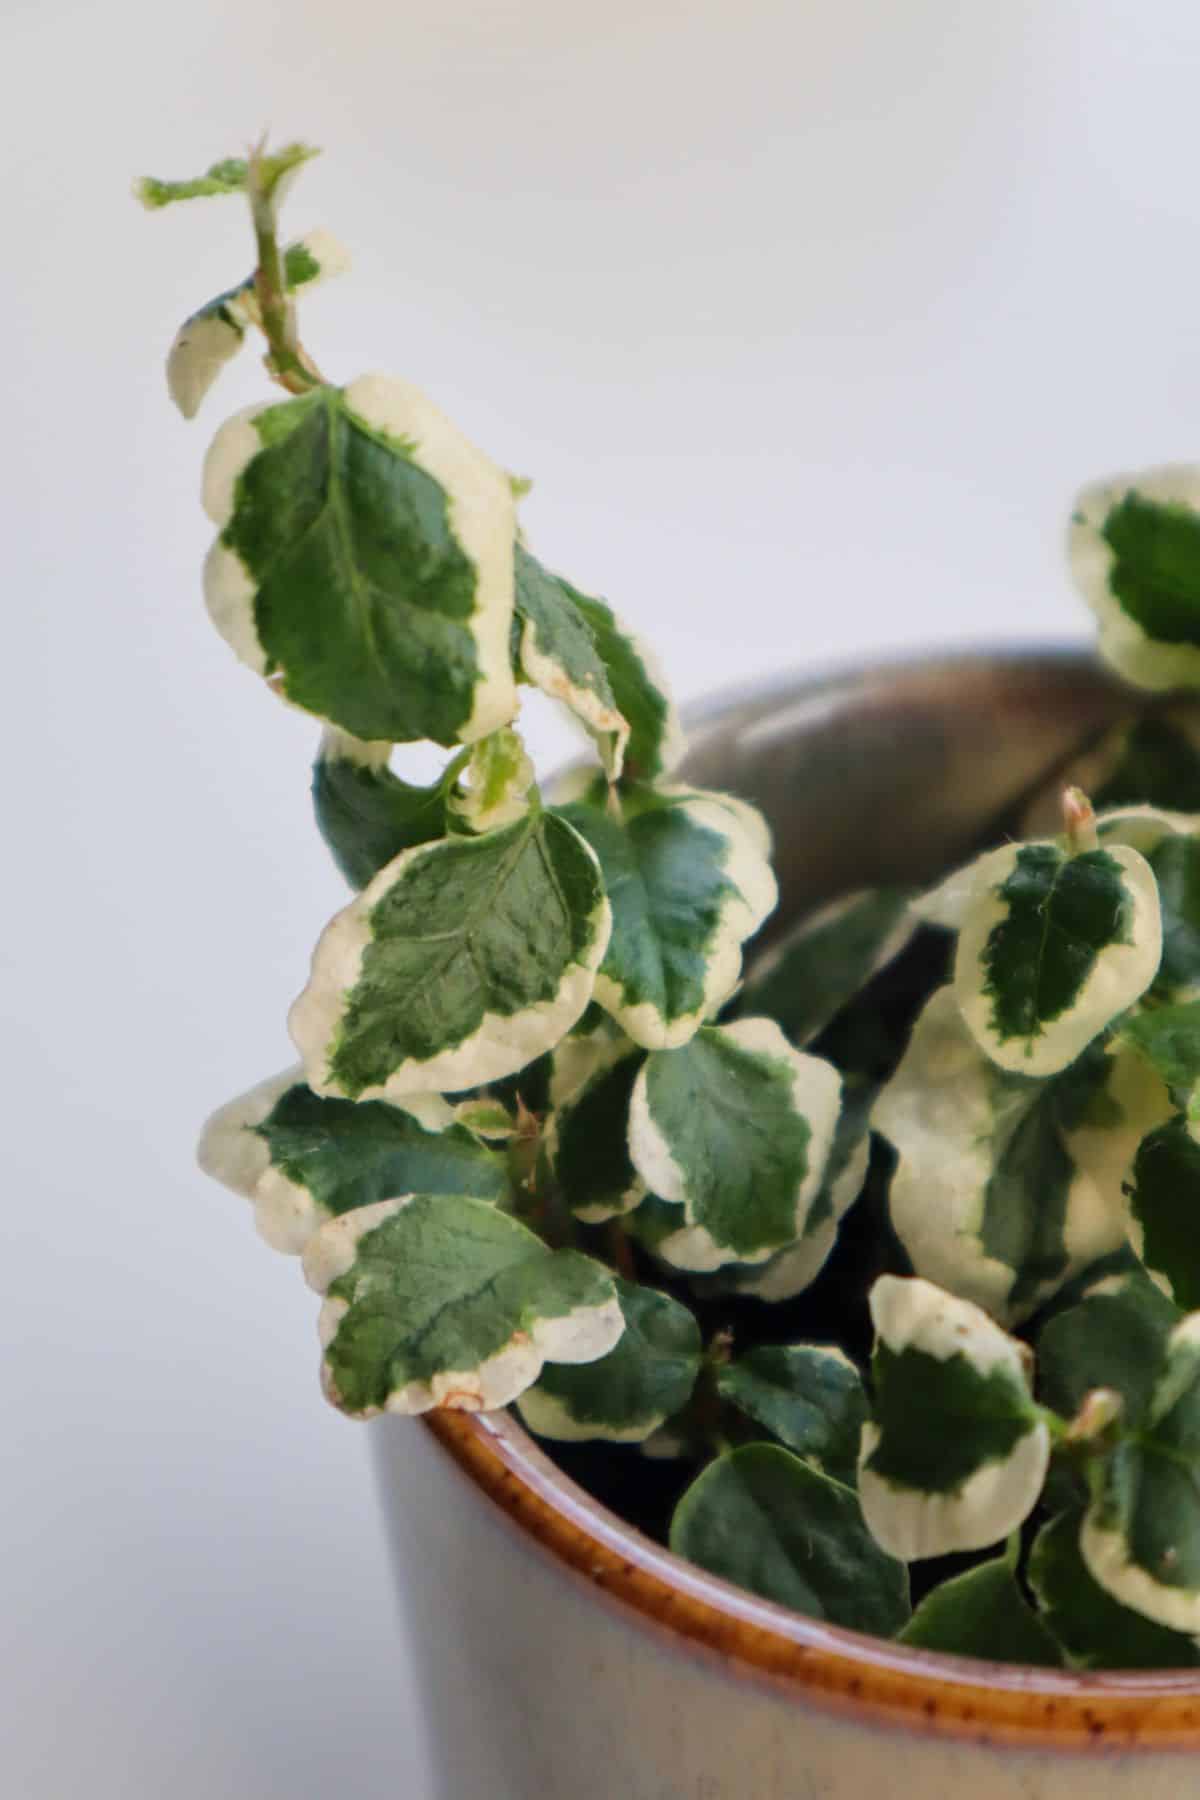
x,y
806,318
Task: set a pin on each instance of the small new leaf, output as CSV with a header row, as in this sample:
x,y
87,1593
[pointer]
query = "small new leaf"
x,y
764,1519
689,879
440,1300
1052,949
213,335
459,963
1135,556
809,1396
983,1613
625,1396
736,1127
365,559
957,1452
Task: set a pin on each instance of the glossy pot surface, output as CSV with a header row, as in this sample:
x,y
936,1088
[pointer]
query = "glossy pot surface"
x,y
565,1655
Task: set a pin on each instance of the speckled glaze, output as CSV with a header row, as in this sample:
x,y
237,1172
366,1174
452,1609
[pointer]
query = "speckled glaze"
x,y
565,1655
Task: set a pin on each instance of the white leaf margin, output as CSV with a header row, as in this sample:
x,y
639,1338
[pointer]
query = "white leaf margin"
x,y
580,1336
816,1097
500,1046
1120,974
914,1523
1147,662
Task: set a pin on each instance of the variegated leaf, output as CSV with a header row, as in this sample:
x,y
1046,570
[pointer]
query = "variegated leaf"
x,y
762,1518
559,654
441,1300
625,1396
1003,1185
689,878
1095,1631
212,336
1135,556
1052,949
301,1159
656,742
809,1396
365,560
458,964
957,1452
366,814
807,977
735,1128
791,1270
1141,1535
1113,1337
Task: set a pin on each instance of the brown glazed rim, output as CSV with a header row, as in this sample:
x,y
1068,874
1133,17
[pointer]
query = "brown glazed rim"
x,y
885,1683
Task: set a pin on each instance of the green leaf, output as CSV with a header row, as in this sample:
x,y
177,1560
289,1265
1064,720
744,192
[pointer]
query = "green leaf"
x,y
689,879
588,1145
763,1519
498,784
656,742
441,1300
1169,1038
982,1613
210,337
810,975
791,1270
809,1396
459,963
1005,1186
735,1127
301,1159
1135,556
1165,1204
1051,952
1154,761
1113,1337
625,1396
365,559
1176,866
558,653
957,1452
366,814
1093,1629
1141,1536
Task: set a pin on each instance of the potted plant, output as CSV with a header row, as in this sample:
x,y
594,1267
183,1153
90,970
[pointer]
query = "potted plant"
x,y
855,1265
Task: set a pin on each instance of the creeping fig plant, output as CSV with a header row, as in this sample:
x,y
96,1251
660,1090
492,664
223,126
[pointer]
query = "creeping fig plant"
x,y
549,1142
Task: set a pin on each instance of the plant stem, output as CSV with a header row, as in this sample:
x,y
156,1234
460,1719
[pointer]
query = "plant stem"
x,y
286,360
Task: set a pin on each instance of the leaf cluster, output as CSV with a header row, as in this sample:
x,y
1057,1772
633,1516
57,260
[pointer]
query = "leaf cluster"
x,y
883,1268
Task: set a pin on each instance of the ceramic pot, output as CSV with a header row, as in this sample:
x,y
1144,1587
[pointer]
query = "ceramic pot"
x,y
566,1657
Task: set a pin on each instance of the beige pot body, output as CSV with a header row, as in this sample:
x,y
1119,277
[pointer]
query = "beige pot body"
x,y
536,1686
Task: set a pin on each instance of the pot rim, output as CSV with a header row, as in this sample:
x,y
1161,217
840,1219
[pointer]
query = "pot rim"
x,y
812,1662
